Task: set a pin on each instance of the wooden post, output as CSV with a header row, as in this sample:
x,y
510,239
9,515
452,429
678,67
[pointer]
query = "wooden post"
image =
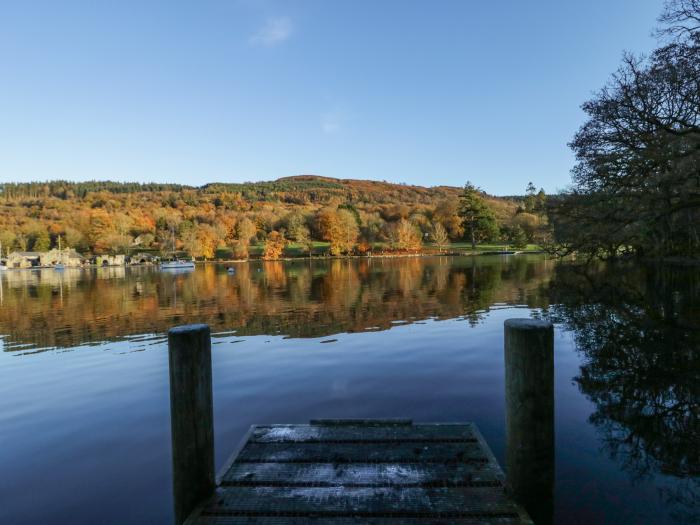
x,y
529,361
191,417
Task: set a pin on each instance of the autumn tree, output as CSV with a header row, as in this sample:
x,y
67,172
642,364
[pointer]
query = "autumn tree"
x,y
201,241
7,240
274,245
168,225
528,223
21,242
121,223
114,243
38,239
245,231
142,223
439,236
225,224
296,227
298,231
407,236
478,219
447,212
75,239
372,227
395,212
339,228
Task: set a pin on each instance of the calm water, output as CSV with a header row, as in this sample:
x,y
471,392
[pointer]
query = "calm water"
x,y
84,410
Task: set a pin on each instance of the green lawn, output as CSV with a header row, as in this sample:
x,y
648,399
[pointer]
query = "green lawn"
x,y
294,249
467,246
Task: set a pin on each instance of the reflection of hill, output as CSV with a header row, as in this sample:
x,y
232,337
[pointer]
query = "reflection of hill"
x,y
298,298
639,332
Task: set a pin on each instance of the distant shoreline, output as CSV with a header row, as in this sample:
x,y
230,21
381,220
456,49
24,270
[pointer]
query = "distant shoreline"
x,y
303,258
376,256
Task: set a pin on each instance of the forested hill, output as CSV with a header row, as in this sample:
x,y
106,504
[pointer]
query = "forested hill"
x,y
300,188
105,216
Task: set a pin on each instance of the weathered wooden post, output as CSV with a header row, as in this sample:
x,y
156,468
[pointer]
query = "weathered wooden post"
x,y
529,360
191,417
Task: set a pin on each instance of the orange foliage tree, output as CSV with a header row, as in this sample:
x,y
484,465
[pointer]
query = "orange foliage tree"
x,y
339,228
274,245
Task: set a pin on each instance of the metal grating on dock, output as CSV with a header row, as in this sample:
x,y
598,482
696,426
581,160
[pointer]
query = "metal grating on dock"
x,y
345,472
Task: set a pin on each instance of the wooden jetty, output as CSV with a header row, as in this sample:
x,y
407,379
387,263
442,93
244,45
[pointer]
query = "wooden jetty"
x,y
343,472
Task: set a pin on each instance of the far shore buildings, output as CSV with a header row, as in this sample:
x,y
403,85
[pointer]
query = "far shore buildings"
x,y
144,258
23,259
110,260
69,258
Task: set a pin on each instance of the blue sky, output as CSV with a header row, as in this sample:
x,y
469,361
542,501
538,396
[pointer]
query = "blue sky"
x,y
429,92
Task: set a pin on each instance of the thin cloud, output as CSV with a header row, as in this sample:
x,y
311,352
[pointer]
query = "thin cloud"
x,y
331,122
275,31
335,120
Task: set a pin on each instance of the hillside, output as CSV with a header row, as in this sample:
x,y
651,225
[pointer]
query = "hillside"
x,y
105,216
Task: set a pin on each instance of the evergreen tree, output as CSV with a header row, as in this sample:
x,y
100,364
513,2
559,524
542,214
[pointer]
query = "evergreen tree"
x,y
478,219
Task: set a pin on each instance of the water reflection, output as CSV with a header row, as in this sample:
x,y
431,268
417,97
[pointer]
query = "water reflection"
x,y
638,330
48,309
636,371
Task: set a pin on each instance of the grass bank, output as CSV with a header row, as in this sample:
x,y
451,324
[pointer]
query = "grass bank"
x,y
322,249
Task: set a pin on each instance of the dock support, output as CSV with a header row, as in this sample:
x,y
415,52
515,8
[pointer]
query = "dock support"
x,y
191,417
529,362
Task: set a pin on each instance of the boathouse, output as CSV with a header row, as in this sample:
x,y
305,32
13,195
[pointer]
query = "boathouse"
x,y
144,258
110,260
68,258
23,259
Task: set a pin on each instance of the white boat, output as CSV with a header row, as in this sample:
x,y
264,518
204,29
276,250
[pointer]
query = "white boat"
x,y
59,266
231,270
3,267
177,264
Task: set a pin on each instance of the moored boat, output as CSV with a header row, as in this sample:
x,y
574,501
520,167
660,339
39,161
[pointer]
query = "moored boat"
x,y
177,264
59,265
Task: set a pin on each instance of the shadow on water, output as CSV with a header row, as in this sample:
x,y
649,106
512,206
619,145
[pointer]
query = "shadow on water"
x,y
638,330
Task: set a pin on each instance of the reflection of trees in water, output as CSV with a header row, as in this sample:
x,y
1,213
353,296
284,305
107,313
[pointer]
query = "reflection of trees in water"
x,y
639,332
299,298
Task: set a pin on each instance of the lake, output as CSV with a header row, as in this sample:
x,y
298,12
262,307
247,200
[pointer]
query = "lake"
x,y
84,406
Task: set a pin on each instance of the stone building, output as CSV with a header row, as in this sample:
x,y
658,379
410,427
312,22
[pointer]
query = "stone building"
x,y
144,258
110,260
23,259
68,258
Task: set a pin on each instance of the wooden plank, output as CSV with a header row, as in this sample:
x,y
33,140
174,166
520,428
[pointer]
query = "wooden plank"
x,y
347,472
362,502
359,453
363,474
363,422
320,433
291,520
